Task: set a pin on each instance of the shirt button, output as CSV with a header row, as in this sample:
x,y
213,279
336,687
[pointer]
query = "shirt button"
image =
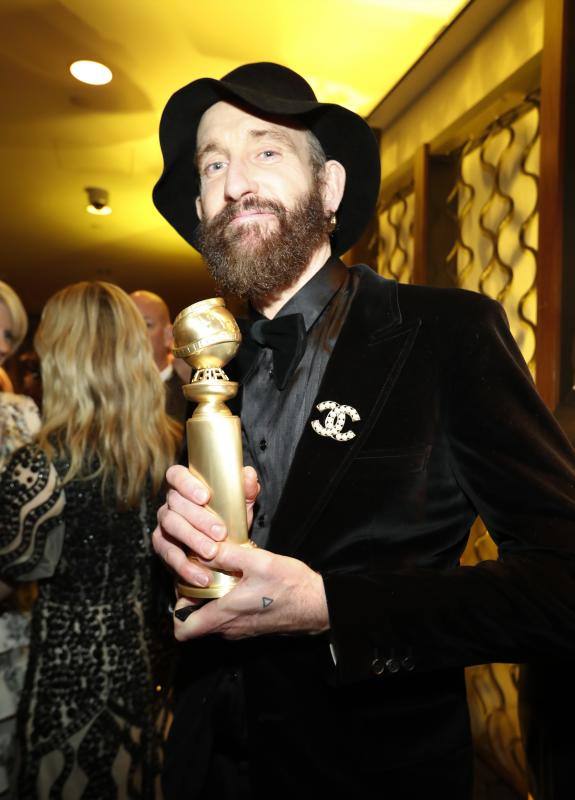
x,y
263,445
271,374
262,520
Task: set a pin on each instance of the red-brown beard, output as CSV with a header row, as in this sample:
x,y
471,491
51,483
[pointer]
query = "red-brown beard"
x,y
255,262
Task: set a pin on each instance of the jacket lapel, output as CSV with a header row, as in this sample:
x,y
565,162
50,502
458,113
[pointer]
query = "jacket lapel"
x,y
370,352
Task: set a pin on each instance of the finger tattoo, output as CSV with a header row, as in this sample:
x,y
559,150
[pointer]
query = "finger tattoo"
x,y
183,613
266,601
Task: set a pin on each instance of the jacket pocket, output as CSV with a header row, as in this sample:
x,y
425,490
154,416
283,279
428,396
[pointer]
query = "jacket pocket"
x,y
392,461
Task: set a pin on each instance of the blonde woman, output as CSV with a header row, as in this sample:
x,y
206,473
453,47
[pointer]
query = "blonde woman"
x,y
85,501
19,422
19,418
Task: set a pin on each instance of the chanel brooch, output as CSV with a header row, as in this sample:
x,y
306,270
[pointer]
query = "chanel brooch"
x,y
334,423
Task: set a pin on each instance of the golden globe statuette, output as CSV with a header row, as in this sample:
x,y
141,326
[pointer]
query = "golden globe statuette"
x,y
206,336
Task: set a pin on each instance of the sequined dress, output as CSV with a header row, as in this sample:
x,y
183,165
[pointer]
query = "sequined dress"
x,y
91,713
19,423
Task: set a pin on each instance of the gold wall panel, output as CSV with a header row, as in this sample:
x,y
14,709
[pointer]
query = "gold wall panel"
x,y
492,694
394,237
497,190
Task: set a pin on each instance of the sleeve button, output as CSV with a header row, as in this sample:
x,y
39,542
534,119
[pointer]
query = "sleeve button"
x,y
408,663
378,666
392,665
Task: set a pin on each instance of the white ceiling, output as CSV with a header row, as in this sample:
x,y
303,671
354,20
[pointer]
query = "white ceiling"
x,y
58,136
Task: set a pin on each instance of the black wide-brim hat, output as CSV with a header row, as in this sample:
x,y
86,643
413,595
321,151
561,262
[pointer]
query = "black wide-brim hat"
x,y
267,89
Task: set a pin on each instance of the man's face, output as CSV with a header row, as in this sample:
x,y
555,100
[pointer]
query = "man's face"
x,y
239,156
261,204
158,324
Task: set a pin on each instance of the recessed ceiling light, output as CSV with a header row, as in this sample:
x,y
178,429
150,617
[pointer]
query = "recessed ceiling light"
x,y
98,201
91,72
99,212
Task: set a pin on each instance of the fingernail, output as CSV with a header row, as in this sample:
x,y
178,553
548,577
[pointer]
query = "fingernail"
x,y
201,496
183,613
219,531
209,550
203,580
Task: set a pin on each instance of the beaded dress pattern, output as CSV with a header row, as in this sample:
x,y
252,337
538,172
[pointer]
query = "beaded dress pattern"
x,y
91,714
19,423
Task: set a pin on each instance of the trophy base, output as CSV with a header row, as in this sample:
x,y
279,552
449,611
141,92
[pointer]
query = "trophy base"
x,y
209,592
221,584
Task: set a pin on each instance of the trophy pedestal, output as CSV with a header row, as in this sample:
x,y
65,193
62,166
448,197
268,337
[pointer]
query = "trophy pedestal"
x,y
215,457
207,337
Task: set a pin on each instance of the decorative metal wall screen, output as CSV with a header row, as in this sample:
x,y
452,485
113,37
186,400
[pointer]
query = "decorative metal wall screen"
x,y
496,196
393,248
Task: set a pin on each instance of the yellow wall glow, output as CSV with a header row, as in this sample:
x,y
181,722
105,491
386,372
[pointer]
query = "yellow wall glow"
x,y
351,51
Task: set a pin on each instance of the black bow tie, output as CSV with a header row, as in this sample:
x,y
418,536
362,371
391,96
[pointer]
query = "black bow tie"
x,y
286,338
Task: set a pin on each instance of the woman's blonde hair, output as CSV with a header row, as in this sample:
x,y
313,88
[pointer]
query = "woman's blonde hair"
x,y
16,310
103,398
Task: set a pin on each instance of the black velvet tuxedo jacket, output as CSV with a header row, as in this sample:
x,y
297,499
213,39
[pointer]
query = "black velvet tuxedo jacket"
x,y
450,427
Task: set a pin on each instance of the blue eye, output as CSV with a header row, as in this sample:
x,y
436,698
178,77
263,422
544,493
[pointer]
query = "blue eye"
x,y
215,166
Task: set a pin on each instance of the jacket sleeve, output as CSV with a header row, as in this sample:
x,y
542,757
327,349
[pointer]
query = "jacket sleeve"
x,y
31,516
517,469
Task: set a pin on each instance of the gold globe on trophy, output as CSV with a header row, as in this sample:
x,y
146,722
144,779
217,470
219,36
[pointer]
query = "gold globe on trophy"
x,y
207,336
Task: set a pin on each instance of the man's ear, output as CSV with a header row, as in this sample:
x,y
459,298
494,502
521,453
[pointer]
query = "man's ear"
x,y
333,185
199,209
169,336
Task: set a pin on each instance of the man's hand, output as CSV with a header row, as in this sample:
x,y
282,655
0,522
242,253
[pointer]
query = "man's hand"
x,y
185,522
275,594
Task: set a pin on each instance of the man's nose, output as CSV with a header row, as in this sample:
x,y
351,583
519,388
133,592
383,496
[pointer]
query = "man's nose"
x,y
239,181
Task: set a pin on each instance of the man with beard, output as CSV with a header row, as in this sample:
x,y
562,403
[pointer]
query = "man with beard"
x,y
380,420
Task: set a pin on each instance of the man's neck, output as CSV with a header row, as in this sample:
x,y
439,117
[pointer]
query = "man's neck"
x,y
164,362
270,306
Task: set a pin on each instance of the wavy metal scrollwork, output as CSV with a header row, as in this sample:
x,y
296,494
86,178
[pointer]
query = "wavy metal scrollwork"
x,y
492,693
463,194
499,215
493,169
393,257
526,297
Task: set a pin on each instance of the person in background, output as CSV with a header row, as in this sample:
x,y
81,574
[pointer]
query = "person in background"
x,y
76,512
19,423
157,318
19,417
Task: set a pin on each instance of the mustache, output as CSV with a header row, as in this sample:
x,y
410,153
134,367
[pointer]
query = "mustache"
x,y
232,210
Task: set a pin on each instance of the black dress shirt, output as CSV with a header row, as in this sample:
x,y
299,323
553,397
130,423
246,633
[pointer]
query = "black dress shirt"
x,y
273,419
